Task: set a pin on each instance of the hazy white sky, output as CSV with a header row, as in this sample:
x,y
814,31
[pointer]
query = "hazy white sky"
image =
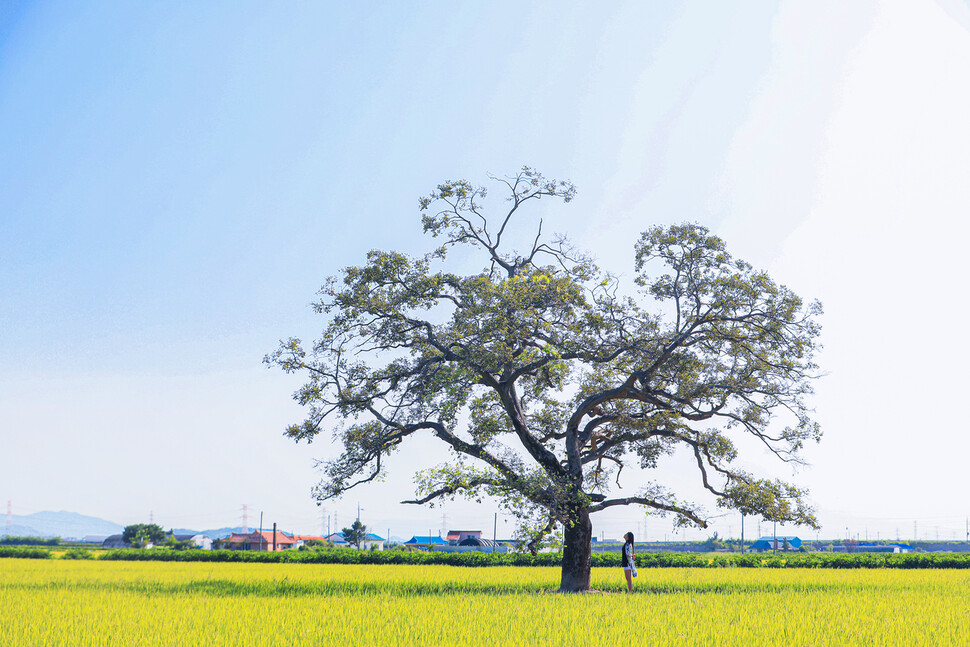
x,y
176,182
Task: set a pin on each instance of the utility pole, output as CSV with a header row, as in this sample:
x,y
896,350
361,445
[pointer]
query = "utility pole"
x,y
274,536
742,533
495,532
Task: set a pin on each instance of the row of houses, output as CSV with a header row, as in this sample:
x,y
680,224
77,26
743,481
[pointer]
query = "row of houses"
x,y
459,541
369,542
795,543
203,542
266,540
269,540
453,541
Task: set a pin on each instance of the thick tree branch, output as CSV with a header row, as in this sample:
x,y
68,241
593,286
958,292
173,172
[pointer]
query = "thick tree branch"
x,y
650,503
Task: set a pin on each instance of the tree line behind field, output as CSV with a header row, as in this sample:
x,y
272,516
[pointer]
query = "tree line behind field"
x,y
12,540
644,560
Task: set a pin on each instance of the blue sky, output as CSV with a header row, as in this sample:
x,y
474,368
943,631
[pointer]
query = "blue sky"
x,y
176,182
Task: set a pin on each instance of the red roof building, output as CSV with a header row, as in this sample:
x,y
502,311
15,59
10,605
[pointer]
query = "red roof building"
x,y
260,541
462,535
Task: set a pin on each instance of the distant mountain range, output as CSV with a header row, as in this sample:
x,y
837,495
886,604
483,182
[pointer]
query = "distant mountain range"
x,y
74,526
215,533
63,524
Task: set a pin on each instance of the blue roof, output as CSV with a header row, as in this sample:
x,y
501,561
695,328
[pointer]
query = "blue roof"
x,y
425,539
338,537
781,538
766,542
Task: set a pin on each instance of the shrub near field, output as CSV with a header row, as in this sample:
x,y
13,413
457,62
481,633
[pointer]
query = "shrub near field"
x,y
644,560
24,552
55,602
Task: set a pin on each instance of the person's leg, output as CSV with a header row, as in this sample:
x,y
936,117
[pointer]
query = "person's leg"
x,y
629,580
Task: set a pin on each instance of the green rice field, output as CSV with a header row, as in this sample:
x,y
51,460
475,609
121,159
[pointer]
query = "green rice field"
x,y
104,603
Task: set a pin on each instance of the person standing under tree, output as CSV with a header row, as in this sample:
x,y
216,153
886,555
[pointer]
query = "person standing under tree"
x,y
629,561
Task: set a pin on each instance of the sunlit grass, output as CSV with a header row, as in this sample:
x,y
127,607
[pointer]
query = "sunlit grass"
x,y
55,602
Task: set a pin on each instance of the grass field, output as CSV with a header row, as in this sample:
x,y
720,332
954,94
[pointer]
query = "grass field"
x,y
61,602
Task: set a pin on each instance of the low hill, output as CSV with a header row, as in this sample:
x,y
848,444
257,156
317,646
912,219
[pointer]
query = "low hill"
x,y
63,524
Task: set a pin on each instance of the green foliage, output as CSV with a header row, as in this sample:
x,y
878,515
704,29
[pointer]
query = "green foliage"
x,y
356,534
14,540
545,378
140,535
24,552
77,553
552,559
174,544
714,543
316,543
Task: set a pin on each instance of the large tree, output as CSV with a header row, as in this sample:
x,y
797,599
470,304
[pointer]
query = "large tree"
x,y
140,535
545,378
356,534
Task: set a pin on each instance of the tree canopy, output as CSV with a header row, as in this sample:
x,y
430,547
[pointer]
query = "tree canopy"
x,y
546,377
141,534
356,534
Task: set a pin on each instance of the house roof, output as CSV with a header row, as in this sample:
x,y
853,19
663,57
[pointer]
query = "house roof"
x,y
477,541
240,538
308,538
766,542
425,539
115,541
339,538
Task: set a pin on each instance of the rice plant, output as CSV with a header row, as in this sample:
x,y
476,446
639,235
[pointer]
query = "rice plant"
x,y
93,602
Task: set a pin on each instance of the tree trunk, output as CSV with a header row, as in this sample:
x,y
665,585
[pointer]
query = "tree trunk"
x,y
576,551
